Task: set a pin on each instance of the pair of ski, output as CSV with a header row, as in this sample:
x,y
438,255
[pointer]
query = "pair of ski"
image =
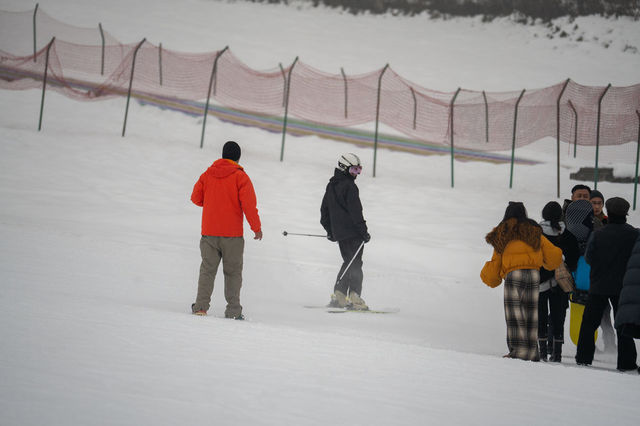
x,y
336,310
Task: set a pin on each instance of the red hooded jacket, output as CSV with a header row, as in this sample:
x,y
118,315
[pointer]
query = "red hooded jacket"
x,y
225,192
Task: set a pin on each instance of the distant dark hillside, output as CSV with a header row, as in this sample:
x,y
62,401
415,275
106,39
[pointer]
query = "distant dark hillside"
x,y
545,9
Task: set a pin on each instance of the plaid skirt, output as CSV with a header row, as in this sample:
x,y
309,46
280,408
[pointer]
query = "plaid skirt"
x,y
521,313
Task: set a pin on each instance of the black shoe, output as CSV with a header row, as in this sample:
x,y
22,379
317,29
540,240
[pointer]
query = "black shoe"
x,y
543,349
556,356
628,369
239,317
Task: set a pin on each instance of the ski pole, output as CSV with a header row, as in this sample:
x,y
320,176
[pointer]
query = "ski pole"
x,y
352,259
285,233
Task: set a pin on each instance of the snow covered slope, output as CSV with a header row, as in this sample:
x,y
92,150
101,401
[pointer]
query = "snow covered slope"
x,y
99,246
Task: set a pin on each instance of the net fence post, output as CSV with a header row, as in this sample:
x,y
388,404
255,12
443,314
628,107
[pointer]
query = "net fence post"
x,y
575,131
35,48
160,62
635,181
453,100
284,83
595,183
375,135
513,144
558,134
102,52
286,107
346,93
44,82
214,70
415,106
133,67
486,117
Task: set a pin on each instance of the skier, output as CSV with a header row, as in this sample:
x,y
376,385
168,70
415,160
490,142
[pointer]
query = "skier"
x,y
553,302
608,252
519,250
341,216
226,193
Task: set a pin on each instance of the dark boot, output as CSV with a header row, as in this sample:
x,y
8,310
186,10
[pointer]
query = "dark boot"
x,y
557,351
543,349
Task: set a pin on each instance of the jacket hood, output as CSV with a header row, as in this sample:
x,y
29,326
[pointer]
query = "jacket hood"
x,y
547,229
223,167
527,231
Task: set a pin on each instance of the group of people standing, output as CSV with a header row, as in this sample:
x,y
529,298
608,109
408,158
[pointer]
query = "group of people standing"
x,y
596,248
526,255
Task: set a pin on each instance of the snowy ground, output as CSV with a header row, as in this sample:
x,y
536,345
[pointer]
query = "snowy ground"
x,y
99,245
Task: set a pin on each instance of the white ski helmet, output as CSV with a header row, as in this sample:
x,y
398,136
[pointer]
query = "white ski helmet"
x,y
348,160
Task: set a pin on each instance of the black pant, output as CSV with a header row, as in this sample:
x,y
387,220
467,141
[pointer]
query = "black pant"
x,y
552,309
591,318
352,280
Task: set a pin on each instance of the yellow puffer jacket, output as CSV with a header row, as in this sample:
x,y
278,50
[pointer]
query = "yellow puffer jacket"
x,y
518,245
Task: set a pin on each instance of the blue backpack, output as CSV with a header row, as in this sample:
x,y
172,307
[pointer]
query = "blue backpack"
x,y
581,274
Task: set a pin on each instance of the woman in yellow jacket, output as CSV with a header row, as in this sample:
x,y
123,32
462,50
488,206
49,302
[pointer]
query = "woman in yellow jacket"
x,y
519,250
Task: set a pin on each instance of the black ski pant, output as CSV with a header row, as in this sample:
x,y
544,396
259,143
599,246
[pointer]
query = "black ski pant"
x,y
352,280
552,309
591,318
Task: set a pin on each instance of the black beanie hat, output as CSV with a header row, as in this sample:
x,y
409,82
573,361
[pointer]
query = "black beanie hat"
x,y
617,206
231,151
596,194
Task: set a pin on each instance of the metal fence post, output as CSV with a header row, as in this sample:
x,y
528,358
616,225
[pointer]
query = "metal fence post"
x,y
415,107
486,117
558,133
375,136
133,66
160,62
513,144
575,130
453,100
206,106
44,82
595,183
35,11
635,181
102,55
286,107
284,83
346,92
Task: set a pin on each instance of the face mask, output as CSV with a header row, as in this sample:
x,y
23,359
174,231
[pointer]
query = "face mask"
x,y
355,170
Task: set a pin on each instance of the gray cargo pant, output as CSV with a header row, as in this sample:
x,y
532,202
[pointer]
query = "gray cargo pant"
x,y
230,250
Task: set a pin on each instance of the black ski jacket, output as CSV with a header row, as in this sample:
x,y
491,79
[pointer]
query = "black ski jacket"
x,y
341,210
608,252
628,316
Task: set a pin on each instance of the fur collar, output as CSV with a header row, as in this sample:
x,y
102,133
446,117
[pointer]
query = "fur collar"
x,y
528,232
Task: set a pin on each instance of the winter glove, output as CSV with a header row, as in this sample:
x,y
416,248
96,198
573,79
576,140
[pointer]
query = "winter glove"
x,y
366,237
330,238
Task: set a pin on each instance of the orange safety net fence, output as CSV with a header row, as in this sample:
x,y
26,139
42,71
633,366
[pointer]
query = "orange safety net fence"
x,y
84,68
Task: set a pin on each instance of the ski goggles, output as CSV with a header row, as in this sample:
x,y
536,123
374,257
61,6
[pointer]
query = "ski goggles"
x,y
355,170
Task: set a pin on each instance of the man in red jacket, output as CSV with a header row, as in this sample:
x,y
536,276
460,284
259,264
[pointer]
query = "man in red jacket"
x,y
225,193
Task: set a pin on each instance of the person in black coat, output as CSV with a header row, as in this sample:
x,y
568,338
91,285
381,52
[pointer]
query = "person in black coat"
x,y
341,216
608,252
628,317
553,302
